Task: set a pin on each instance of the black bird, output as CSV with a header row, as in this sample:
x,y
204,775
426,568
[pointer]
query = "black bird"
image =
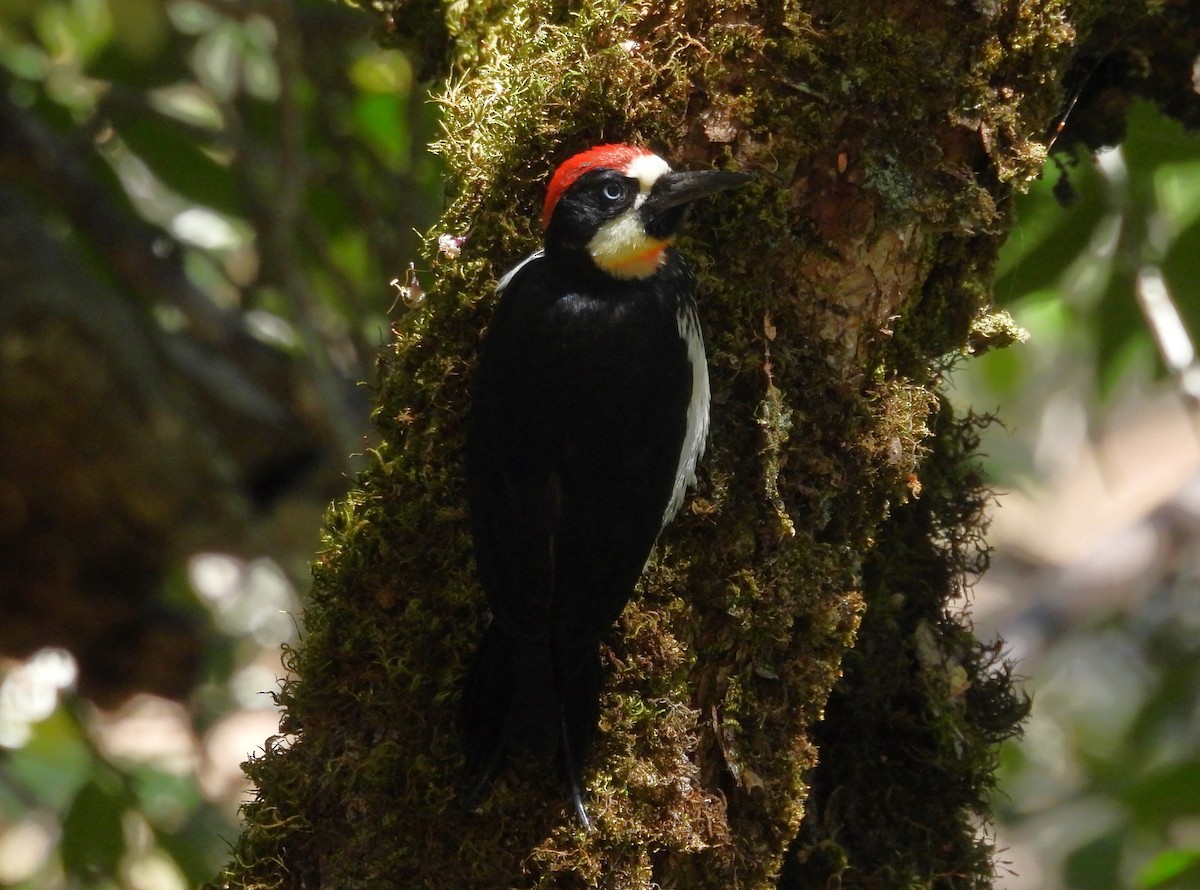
x,y
589,414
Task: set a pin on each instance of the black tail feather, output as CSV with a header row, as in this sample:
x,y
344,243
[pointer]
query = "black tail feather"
x,y
526,695
579,684
574,773
487,700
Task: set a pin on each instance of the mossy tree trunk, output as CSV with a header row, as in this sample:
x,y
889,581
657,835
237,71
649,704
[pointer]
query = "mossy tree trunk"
x,y
837,488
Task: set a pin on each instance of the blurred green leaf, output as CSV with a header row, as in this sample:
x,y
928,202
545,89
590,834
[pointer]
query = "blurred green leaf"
x,y
1045,316
1168,709
1047,234
23,59
261,75
54,763
1177,194
386,71
1154,140
1170,868
176,159
349,251
217,59
1144,207
1163,796
1158,196
73,31
1097,864
1122,341
189,103
192,845
381,122
1180,268
1003,370
93,840
165,799
193,16
260,72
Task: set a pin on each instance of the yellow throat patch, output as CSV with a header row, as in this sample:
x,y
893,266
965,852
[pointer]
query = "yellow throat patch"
x,y
622,248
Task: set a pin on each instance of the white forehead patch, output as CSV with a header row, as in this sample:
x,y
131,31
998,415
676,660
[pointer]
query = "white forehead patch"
x,y
646,169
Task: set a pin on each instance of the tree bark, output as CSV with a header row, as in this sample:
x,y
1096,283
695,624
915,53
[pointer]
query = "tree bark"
x,y
888,139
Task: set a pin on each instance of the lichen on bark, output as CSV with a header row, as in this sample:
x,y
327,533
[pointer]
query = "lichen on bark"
x,y
887,139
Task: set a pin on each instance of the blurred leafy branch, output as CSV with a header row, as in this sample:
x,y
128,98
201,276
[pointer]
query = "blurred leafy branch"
x,y
202,204
1069,273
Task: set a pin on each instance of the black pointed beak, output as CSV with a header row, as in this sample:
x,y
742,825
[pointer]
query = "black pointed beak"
x,y
674,189
663,209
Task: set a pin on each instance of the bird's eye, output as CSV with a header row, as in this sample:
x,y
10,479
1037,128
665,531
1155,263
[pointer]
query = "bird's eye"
x,y
613,192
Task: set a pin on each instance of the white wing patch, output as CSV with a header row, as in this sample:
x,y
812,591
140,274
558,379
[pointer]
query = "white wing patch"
x,y
508,276
697,412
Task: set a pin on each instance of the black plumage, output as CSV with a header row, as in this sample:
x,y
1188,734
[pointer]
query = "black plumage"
x,y
588,415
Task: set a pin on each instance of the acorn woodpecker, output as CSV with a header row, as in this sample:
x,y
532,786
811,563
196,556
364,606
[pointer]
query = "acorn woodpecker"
x,y
589,413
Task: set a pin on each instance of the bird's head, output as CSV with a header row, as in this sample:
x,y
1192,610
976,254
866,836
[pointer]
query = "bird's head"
x,y
621,205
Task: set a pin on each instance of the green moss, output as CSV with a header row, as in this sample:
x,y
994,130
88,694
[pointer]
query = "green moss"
x,y
995,330
909,739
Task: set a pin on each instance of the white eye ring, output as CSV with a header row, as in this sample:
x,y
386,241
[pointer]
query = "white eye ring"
x,y
613,191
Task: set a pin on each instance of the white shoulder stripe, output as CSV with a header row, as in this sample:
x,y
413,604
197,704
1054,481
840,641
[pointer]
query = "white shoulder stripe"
x,y
697,411
508,276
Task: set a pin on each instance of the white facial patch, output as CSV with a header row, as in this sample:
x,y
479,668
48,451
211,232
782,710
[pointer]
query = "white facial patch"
x,y
621,246
646,169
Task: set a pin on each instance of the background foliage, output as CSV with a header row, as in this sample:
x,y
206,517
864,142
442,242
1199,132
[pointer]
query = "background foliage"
x,y
201,207
1103,791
